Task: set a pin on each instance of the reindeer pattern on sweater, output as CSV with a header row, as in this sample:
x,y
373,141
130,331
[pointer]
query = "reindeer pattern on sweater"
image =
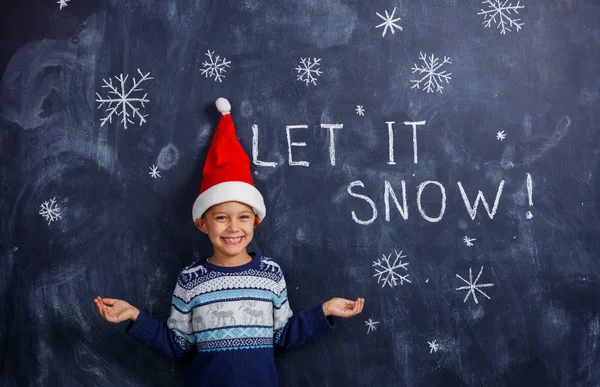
x,y
219,310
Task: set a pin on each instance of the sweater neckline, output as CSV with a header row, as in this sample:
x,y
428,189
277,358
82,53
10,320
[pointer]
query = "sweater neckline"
x,y
234,269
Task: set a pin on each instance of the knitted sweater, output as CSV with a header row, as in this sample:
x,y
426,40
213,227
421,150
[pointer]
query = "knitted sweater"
x,y
233,317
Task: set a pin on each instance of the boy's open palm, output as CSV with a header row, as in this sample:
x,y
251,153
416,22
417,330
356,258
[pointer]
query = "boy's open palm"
x,y
115,310
340,307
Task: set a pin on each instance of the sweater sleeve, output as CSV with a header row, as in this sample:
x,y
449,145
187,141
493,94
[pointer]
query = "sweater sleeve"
x,y
291,330
172,339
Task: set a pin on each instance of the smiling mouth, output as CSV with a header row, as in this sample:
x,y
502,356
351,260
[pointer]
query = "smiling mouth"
x,y
232,241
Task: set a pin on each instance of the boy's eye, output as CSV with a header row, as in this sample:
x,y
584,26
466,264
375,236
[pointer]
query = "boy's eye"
x,y
220,217
245,217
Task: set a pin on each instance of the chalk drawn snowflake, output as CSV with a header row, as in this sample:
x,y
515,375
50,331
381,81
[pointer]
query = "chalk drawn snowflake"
x,y
468,241
62,3
371,325
433,346
432,77
154,172
500,9
50,210
308,70
474,286
500,135
121,101
215,66
388,22
360,110
386,271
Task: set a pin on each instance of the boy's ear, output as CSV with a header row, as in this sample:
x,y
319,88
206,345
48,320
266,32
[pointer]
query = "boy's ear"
x,y
256,221
201,225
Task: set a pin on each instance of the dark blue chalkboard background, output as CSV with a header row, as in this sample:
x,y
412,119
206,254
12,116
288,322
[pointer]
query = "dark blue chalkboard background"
x,y
124,234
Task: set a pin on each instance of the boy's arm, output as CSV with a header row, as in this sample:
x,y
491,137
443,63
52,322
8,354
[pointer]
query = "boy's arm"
x,y
291,330
172,339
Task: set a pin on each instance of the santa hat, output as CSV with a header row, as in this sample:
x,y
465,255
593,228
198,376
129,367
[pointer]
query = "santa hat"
x,y
226,176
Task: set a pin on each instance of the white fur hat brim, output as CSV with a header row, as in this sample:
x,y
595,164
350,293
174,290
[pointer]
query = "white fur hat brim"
x,y
230,191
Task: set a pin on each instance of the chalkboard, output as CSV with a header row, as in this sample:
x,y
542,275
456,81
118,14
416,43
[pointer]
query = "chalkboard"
x,y
438,158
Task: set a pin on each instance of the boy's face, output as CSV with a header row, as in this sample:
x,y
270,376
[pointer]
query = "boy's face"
x,y
229,226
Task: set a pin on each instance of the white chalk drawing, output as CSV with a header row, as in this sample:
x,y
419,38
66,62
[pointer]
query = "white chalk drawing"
x,y
120,101
154,172
288,129
385,271
414,125
473,286
50,210
433,78
500,135
502,10
365,198
332,128
255,159
371,325
391,142
62,3
472,209
215,66
360,110
443,201
433,346
529,215
468,241
390,198
388,22
389,193
308,70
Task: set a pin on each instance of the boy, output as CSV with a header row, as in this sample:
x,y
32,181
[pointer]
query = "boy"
x,y
233,305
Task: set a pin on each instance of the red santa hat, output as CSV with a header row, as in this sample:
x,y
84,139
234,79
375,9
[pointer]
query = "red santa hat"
x,y
226,176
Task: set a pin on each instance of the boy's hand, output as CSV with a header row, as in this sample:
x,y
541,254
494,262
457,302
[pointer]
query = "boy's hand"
x,y
340,307
114,310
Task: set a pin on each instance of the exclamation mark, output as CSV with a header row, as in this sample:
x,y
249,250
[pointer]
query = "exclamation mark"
x,y
529,215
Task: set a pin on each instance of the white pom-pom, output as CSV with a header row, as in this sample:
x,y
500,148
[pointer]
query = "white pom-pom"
x,y
223,106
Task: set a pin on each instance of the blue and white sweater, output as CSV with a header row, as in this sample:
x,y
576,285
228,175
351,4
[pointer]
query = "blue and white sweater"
x,y
234,317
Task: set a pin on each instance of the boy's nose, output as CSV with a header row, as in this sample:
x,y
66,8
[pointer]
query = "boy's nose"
x,y
233,225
